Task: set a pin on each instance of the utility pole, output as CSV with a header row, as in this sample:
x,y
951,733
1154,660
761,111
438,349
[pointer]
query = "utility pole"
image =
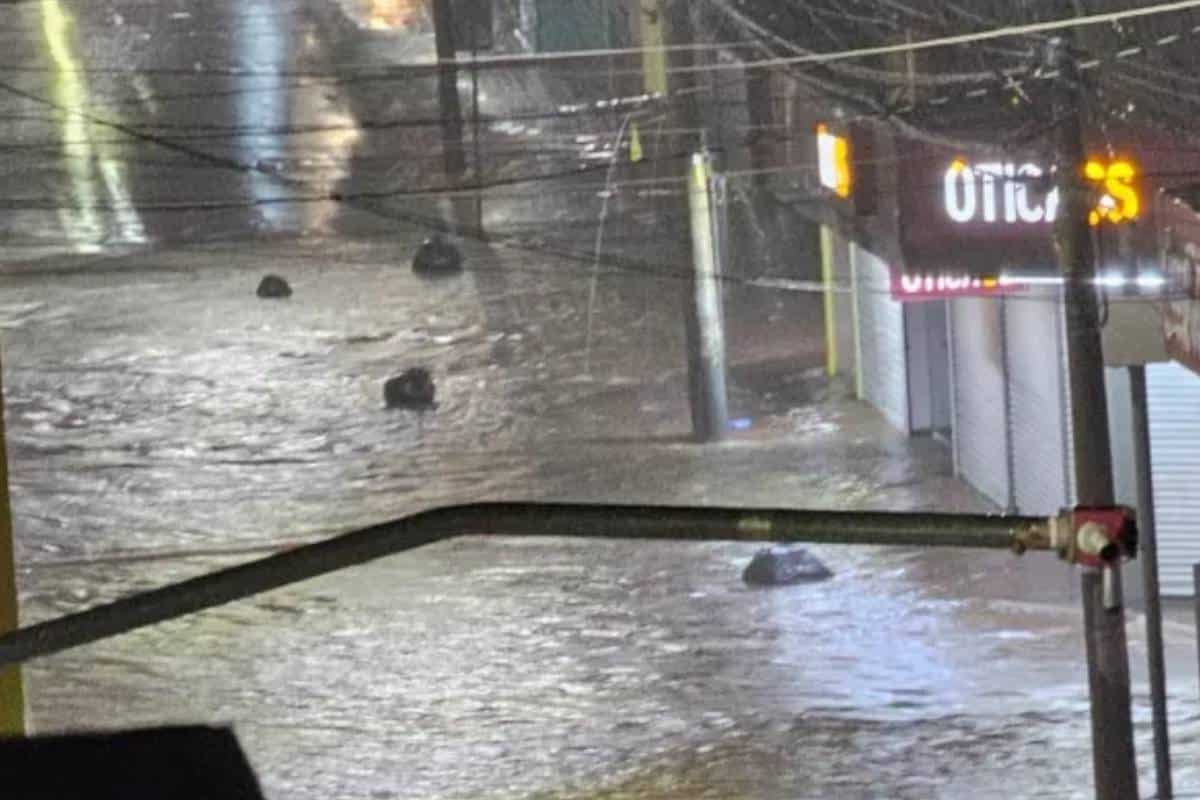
x,y
451,111
12,695
702,312
704,316
1113,761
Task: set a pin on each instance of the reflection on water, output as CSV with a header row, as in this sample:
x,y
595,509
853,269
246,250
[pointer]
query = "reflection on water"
x,y
89,165
261,44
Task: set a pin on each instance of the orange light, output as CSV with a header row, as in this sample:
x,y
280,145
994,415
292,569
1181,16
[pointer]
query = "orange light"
x,y
958,165
1094,171
990,283
395,14
833,161
1120,201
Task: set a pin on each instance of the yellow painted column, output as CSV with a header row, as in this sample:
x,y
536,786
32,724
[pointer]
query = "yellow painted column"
x,y
828,280
12,693
654,58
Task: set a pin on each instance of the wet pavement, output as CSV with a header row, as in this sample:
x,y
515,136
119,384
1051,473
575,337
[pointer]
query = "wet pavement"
x,y
163,422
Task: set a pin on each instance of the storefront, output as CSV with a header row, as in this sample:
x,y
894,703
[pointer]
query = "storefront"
x,y
974,275
958,326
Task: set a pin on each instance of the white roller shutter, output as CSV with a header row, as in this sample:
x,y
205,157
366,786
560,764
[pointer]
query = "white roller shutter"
x,y
977,381
1037,411
1068,422
881,339
1173,393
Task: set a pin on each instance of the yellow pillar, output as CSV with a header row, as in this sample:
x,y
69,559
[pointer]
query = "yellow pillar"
x,y
827,280
852,256
12,693
654,59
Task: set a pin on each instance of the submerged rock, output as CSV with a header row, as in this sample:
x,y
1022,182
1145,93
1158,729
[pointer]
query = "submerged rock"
x,y
437,257
780,566
412,389
273,287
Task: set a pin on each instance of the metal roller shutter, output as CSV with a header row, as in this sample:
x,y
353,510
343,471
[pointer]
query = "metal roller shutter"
x,y
881,339
977,381
1036,383
1065,384
1173,393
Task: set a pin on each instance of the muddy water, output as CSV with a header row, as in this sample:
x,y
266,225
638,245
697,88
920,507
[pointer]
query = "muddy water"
x,y
161,418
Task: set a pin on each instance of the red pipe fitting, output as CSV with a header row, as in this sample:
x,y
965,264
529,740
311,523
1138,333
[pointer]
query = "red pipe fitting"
x,y
1103,535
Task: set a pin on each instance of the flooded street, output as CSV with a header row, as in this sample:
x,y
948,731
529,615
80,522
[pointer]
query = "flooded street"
x,y
164,422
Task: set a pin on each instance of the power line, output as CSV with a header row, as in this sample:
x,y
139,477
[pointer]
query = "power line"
x,y
467,62
960,39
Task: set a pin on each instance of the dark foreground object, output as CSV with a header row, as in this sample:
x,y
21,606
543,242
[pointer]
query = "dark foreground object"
x,y
413,389
780,566
273,287
437,257
190,763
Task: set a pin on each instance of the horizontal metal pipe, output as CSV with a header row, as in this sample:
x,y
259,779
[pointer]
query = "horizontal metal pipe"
x,y
519,519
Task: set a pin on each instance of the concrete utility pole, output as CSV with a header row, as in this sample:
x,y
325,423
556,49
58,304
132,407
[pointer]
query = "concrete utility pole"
x,y
1114,764
704,316
12,696
451,111
702,294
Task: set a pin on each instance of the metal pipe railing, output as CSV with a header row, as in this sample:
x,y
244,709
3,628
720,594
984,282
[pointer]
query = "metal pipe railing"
x,y
521,519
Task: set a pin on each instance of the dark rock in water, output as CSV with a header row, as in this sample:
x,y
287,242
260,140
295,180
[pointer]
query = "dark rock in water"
x,y
437,257
273,287
780,566
412,389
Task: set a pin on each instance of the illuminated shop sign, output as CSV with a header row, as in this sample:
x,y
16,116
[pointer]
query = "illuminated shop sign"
x,y
909,286
1007,193
997,192
1119,201
961,220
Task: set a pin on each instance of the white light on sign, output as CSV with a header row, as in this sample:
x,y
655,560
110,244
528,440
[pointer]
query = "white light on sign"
x,y
995,192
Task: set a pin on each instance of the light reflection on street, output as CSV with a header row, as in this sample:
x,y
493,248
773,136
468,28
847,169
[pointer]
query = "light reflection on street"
x,y
89,164
261,44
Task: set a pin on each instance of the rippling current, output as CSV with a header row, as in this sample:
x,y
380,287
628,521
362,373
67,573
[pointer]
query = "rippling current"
x,y
164,422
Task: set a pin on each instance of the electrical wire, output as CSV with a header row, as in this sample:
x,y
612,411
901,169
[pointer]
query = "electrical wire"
x,y
466,62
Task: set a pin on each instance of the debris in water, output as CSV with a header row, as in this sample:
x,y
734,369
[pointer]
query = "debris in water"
x,y
412,389
781,566
273,287
436,257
